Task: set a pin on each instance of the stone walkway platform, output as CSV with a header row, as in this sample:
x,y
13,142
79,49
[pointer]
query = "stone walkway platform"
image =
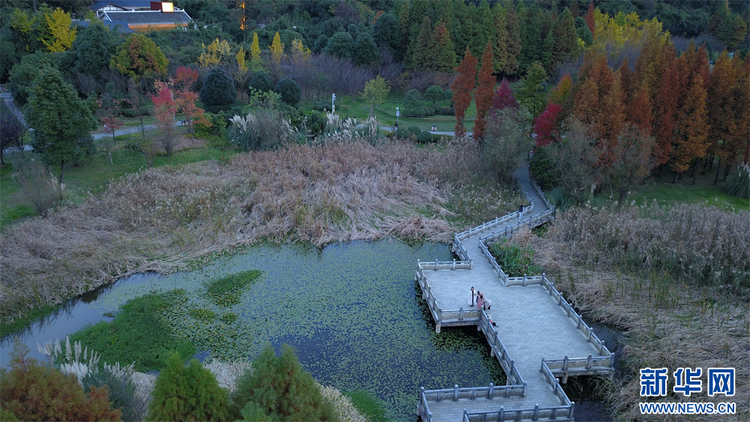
x,y
539,335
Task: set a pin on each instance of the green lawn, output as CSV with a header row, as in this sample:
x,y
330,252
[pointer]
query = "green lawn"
x,y
665,192
92,175
386,113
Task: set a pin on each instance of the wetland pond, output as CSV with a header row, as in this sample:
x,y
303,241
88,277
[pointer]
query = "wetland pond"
x,y
352,311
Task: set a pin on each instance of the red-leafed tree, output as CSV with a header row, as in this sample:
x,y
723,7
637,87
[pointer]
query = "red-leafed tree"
x,y
462,88
184,79
164,110
504,97
589,18
483,96
547,125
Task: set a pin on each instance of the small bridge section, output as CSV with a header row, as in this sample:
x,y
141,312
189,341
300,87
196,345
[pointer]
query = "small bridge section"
x,y
537,336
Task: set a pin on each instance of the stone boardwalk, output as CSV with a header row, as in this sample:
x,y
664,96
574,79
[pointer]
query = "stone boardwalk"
x,y
530,323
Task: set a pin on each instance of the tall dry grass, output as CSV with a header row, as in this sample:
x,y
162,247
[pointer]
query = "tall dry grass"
x,y
644,269
161,219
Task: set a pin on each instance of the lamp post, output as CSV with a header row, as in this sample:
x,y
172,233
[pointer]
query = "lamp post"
x,y
397,114
333,103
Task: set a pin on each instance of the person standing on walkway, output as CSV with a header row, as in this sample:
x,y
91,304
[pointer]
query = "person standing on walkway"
x,y
520,211
480,301
472,297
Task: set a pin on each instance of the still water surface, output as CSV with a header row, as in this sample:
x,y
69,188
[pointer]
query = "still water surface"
x,y
351,311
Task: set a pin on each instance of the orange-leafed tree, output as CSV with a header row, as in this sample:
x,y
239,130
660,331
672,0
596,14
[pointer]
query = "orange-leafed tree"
x,y
184,97
623,72
483,96
32,391
610,122
560,93
639,110
462,88
665,112
589,18
633,148
691,129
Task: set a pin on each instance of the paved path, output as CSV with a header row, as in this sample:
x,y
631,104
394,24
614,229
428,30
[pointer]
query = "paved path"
x,y
530,323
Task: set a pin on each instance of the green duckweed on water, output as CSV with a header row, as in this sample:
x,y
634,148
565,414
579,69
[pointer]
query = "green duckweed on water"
x,y
353,313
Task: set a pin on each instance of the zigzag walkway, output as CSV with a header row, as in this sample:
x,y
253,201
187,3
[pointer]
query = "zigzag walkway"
x,y
538,336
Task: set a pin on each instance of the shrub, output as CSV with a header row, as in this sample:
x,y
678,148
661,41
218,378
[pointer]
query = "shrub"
x,y
279,389
289,90
31,391
413,99
218,89
516,260
446,111
316,123
262,82
414,130
541,168
434,93
187,393
424,137
402,133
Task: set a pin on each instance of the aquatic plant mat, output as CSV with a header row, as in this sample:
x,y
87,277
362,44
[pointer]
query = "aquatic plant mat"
x,y
166,218
352,311
676,281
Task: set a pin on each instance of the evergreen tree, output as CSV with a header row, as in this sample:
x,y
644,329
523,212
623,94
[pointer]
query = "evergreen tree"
x,y
444,53
279,389
184,393
462,87
289,90
139,57
218,88
531,94
532,40
340,45
565,38
365,51
423,49
261,82
514,41
583,33
61,120
92,49
386,34
732,31
500,52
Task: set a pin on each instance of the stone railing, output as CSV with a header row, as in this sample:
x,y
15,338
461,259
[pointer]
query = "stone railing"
x,y
554,382
444,265
427,295
459,250
490,224
424,407
501,353
539,191
578,366
471,393
577,319
556,413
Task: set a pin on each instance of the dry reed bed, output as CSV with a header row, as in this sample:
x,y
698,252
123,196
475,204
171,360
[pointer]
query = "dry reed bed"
x,y
161,219
671,318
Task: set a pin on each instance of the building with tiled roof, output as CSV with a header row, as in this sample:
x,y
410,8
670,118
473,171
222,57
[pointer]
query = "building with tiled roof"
x,y
142,16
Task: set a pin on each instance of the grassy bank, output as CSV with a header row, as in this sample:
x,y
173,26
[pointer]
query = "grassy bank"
x,y
674,279
160,219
